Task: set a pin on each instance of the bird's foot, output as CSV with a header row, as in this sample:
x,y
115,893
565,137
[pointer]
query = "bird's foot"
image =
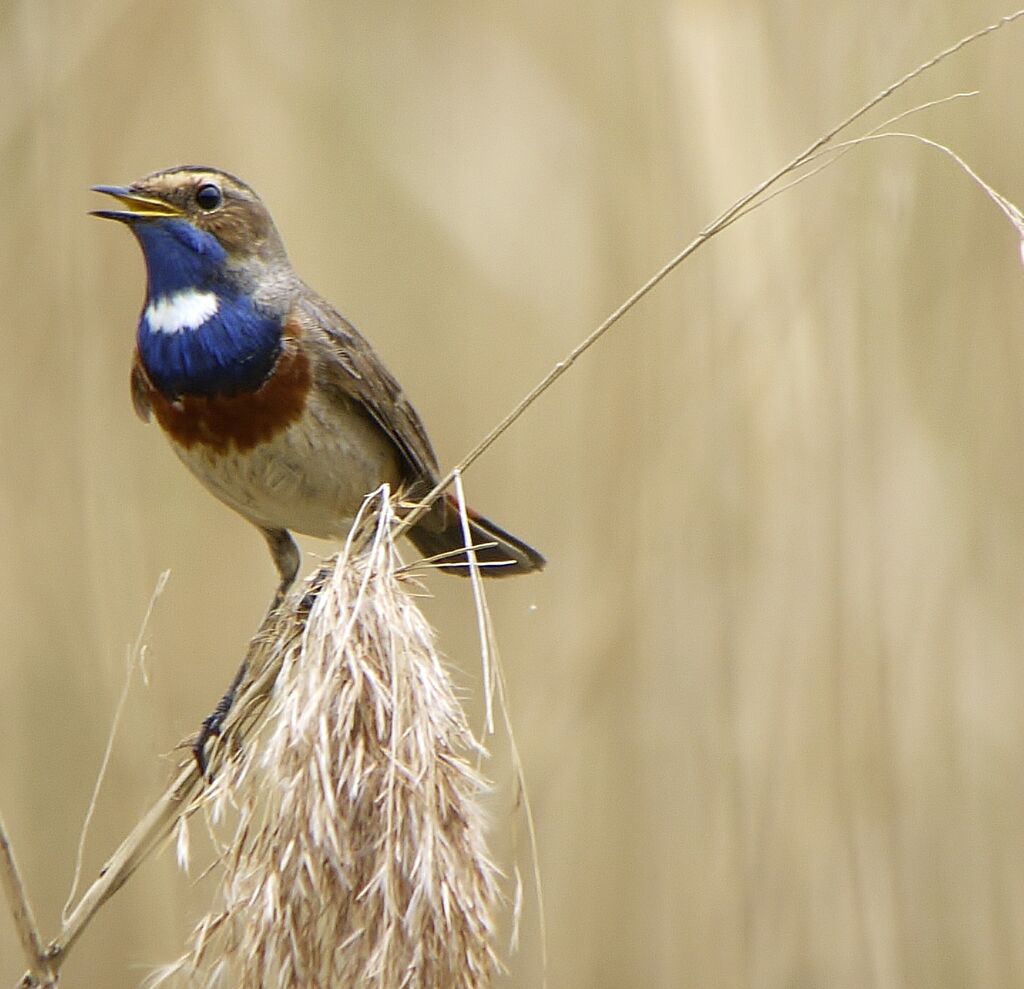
x,y
214,722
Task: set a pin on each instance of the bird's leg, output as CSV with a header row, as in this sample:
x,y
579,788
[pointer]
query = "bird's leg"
x,y
287,559
214,721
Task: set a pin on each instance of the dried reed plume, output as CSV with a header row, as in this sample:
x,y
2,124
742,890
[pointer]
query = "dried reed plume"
x,y
358,855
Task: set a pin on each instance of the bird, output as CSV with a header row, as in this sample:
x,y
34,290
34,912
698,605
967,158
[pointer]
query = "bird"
x,y
267,394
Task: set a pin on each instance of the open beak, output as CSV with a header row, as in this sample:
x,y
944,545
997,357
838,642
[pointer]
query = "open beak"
x,y
138,207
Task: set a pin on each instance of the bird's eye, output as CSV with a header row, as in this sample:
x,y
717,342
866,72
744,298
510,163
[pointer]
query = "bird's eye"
x,y
208,196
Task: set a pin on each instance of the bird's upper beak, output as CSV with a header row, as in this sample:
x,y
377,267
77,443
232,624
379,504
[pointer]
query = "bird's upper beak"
x,y
139,207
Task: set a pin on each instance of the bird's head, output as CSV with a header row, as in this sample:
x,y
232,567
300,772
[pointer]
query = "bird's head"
x,y
198,227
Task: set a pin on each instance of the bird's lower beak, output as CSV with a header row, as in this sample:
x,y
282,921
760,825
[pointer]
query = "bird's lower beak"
x,y
138,207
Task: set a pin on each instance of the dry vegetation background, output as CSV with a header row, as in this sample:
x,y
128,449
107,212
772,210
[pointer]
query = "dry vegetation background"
x,y
768,693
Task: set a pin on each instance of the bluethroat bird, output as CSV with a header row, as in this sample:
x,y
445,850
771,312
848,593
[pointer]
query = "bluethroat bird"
x,y
266,393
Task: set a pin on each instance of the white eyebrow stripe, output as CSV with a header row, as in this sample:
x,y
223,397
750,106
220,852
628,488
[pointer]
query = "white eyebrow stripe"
x,y
185,310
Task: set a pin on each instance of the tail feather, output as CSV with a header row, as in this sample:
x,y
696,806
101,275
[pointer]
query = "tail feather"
x,y
440,532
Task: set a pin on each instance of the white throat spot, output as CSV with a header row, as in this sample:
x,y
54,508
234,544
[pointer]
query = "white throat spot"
x,y
185,310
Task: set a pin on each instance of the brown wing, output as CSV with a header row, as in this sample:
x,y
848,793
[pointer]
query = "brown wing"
x,y
346,366
141,389
346,369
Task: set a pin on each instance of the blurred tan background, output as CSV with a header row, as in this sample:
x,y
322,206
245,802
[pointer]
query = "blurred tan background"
x,y
768,693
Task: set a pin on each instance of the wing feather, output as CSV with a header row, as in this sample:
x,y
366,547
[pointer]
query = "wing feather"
x,y
347,368
141,390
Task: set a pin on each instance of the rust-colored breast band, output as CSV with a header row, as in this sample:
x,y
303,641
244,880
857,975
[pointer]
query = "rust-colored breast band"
x,y
240,422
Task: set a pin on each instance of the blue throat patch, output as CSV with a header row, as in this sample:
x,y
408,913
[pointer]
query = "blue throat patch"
x,y
234,350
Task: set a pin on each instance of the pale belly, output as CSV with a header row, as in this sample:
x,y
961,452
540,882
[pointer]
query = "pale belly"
x,y
310,478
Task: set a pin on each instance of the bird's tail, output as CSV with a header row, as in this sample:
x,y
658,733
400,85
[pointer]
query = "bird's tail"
x,y
439,533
